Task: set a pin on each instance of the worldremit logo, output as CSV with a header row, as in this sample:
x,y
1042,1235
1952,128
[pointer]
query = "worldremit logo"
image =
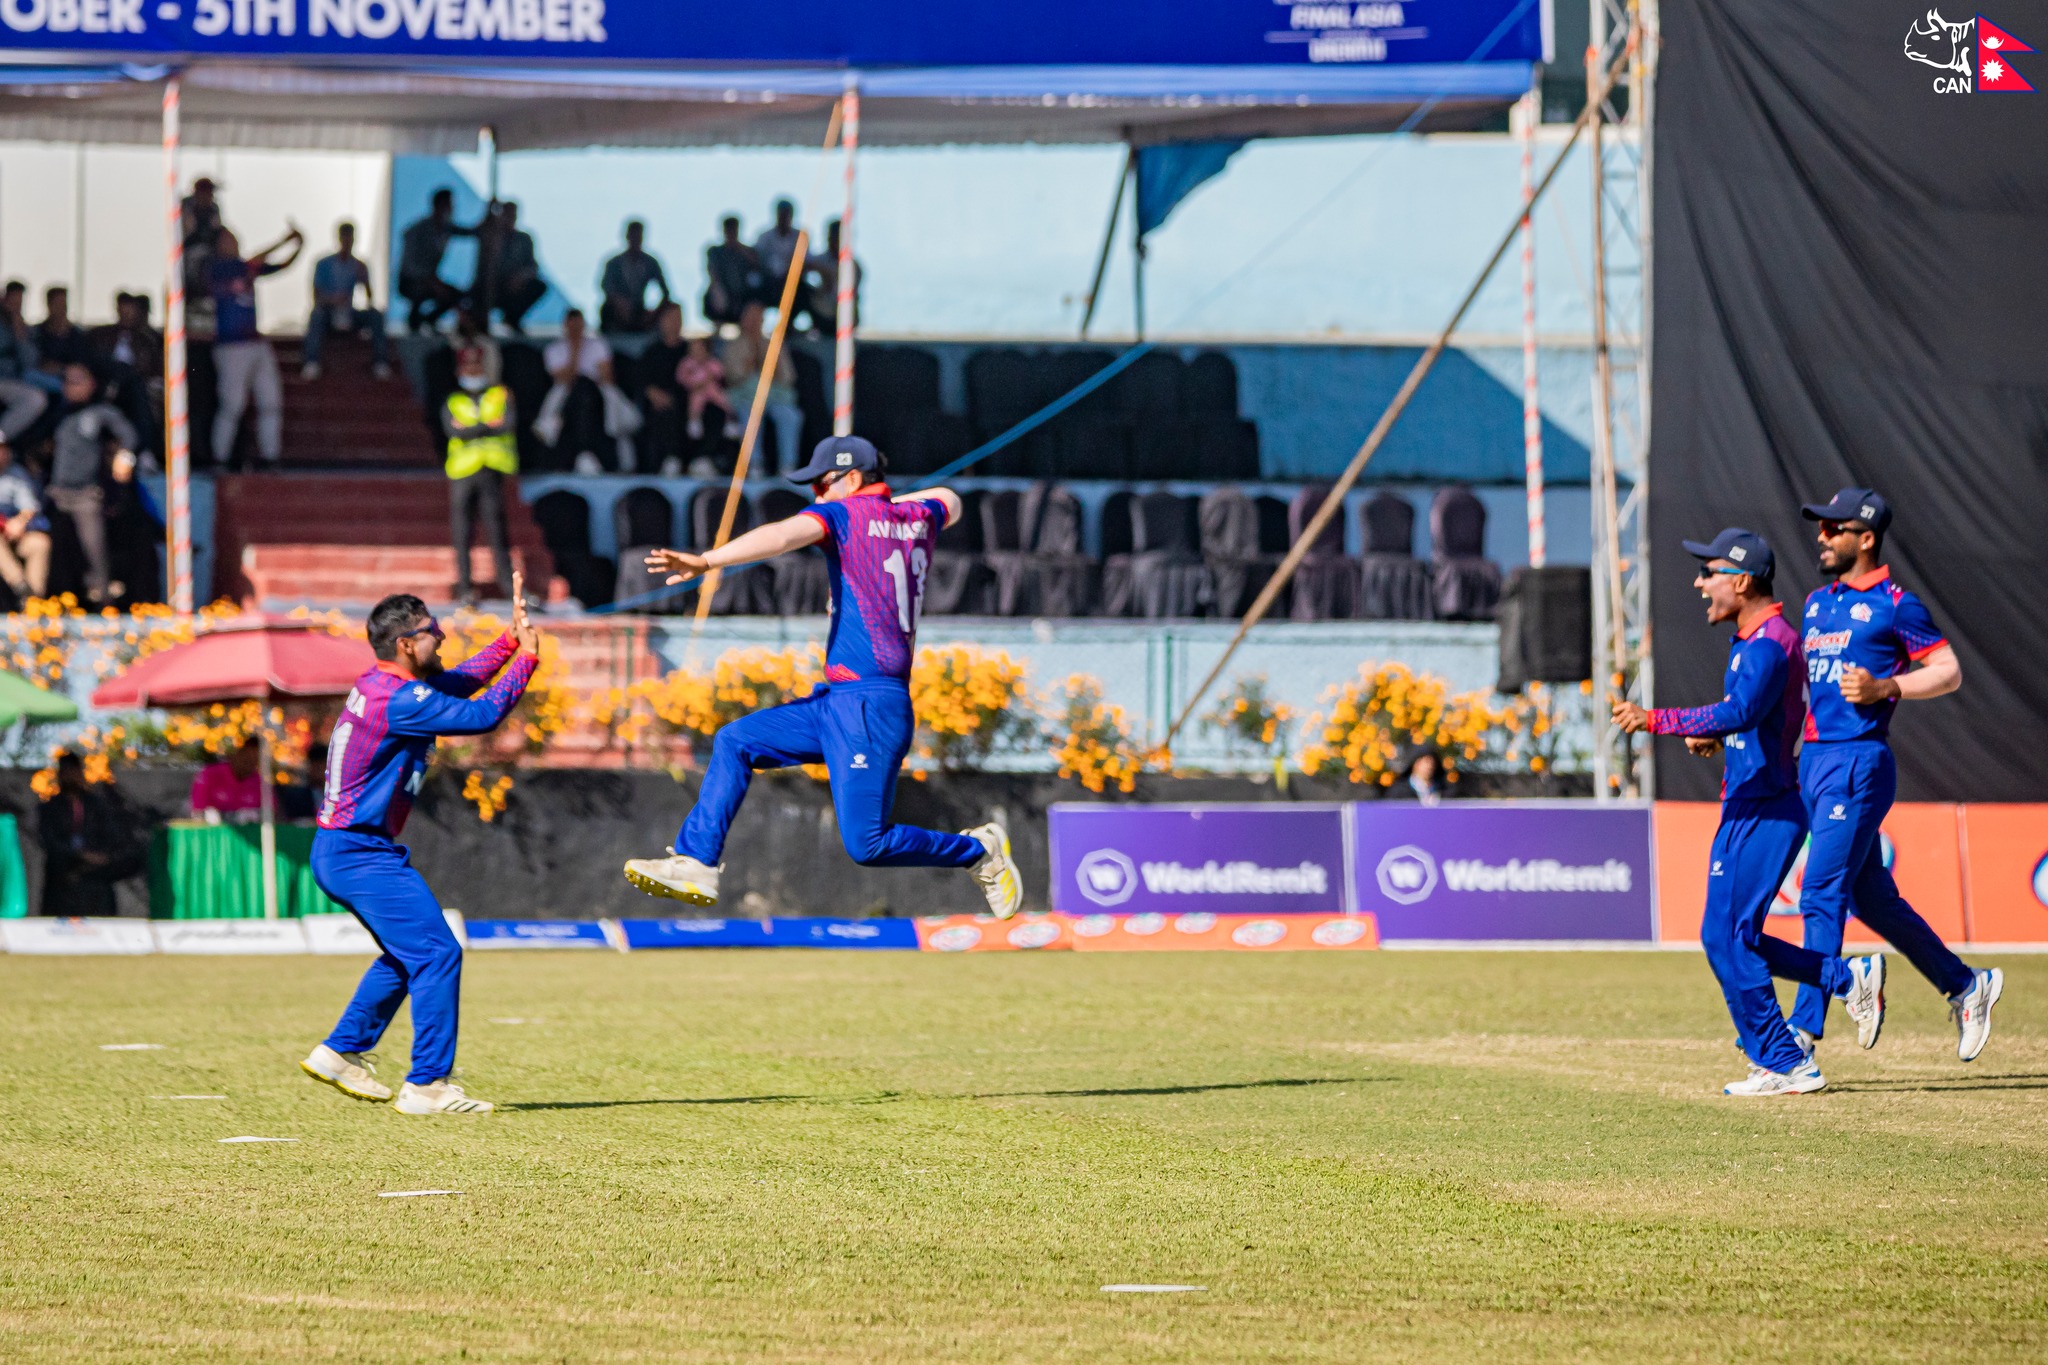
x,y
1236,879
1409,874
1107,877
1972,57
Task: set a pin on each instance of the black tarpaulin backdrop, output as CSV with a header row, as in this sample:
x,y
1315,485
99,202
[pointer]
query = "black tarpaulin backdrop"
x,y
1851,288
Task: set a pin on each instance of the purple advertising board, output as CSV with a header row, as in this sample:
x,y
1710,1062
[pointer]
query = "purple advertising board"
x,y
1504,870
1263,859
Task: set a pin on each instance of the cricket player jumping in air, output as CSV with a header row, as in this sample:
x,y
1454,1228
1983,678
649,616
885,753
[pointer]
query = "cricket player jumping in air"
x,y
375,760
1757,722
859,723
1863,636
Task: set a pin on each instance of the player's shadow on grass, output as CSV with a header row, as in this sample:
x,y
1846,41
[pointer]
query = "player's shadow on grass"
x,y
1936,1085
892,1096
1276,1083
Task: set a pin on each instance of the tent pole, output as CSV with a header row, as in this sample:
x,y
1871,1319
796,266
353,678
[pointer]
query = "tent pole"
x,y
269,834
1116,208
1334,502
1137,259
1528,113
842,349
177,433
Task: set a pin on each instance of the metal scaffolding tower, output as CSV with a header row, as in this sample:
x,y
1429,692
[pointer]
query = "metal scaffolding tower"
x,y
1619,148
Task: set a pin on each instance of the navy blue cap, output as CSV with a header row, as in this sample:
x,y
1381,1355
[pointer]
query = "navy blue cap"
x,y
835,453
1853,504
1746,550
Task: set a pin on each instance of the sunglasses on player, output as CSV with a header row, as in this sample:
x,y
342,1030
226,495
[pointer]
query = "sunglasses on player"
x,y
1831,530
1706,569
825,481
432,627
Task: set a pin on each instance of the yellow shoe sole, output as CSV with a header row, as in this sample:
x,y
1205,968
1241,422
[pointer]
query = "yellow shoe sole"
x,y
667,892
352,1094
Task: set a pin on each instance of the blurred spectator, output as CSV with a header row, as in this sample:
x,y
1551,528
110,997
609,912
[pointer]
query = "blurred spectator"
x,y
88,844
245,366
336,279
200,221
702,376
471,332
22,388
733,271
130,353
58,342
300,798
744,357
135,535
776,246
661,394
421,248
92,434
232,788
514,270
481,423
24,530
821,292
1423,782
626,278
584,406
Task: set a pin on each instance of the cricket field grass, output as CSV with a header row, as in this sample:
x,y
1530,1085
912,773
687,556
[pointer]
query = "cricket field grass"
x,y
802,1156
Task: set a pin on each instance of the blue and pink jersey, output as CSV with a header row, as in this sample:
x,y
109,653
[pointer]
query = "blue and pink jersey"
x,y
1870,623
379,749
1758,718
880,552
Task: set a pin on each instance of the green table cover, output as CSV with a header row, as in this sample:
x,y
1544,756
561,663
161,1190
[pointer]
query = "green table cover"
x,y
202,871
13,873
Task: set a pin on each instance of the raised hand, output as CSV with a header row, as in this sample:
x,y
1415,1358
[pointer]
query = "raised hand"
x,y
1632,719
523,632
680,565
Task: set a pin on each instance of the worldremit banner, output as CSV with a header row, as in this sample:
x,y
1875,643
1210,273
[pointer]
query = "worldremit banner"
x,y
1169,860
1504,870
830,33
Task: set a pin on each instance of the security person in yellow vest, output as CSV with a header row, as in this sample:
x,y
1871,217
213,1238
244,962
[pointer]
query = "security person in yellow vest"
x,y
483,447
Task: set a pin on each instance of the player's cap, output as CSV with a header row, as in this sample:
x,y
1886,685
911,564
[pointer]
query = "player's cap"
x,y
835,453
1853,504
1746,550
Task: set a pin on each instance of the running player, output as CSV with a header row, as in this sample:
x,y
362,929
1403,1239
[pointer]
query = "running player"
x,y
375,761
1763,823
1864,634
859,723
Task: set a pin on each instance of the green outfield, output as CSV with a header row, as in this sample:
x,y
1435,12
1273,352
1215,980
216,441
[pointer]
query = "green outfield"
x,y
800,1156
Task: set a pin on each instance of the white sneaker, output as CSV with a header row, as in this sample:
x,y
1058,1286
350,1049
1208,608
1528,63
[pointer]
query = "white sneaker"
x,y
309,371
437,1097
1803,1079
677,877
1864,999
1972,1011
352,1073
996,872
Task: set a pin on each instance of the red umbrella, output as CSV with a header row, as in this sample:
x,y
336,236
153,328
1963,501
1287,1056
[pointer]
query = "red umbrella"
x,y
261,661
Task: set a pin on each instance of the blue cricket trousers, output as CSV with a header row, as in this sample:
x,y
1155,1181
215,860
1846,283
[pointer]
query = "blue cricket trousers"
x,y
1755,847
1849,786
860,732
375,879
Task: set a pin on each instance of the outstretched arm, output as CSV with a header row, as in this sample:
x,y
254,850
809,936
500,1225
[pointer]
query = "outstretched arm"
x,y
945,497
763,542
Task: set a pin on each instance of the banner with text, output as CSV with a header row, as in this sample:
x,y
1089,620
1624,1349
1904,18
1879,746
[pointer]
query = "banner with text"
x,y
829,33
1168,860
1503,870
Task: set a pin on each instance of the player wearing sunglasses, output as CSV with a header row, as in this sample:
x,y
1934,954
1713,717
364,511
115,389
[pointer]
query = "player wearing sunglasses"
x,y
859,723
375,759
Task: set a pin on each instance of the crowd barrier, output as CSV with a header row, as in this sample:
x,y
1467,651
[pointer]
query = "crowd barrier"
x,y
1273,877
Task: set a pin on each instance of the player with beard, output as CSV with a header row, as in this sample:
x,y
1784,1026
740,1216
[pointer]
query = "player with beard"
x,y
375,760
1864,636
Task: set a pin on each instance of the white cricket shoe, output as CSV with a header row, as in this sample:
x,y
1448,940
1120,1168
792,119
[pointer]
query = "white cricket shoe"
x,y
1803,1079
1972,1010
676,877
437,1097
352,1073
996,871
1864,999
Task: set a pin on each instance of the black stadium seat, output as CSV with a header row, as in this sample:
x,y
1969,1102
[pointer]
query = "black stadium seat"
x,y
1396,586
1467,582
642,520
798,584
